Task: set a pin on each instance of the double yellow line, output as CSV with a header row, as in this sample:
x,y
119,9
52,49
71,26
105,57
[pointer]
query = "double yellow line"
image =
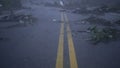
x,y
60,54
59,61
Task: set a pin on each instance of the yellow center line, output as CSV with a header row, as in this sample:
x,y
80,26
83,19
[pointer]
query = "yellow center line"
x,y
59,60
72,54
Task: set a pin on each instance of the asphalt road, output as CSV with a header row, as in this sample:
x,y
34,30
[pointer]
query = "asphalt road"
x,y
54,42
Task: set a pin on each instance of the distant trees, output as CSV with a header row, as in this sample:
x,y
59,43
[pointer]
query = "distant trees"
x,y
10,4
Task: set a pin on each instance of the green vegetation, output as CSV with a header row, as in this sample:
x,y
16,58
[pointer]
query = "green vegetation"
x,y
102,30
106,34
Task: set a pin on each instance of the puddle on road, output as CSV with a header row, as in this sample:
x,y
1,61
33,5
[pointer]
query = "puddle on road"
x,y
4,39
16,25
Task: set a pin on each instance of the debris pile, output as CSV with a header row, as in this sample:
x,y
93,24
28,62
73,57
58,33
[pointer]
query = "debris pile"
x,y
98,21
103,34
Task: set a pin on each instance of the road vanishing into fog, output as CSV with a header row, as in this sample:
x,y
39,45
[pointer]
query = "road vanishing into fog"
x,y
54,42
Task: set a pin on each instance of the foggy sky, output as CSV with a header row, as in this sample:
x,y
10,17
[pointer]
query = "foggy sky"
x,y
100,1
87,2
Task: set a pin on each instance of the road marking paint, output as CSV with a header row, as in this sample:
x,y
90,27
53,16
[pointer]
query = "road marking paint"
x,y
59,61
60,54
72,54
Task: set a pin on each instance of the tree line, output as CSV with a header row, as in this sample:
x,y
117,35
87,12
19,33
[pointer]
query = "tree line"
x,y
10,4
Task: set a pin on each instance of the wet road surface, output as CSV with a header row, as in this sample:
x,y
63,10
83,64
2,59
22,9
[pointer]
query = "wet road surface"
x,y
53,42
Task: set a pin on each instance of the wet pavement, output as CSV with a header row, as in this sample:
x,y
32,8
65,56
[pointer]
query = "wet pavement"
x,y
36,46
